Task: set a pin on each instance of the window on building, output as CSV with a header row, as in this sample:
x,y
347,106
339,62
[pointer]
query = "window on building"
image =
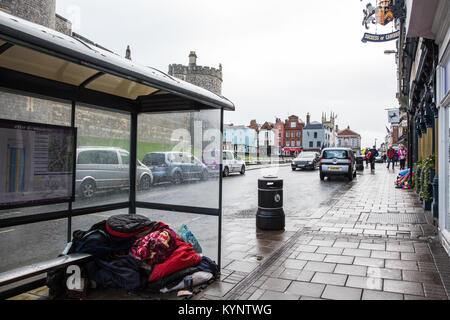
x,y
318,144
287,134
288,144
298,143
293,124
310,144
315,135
298,134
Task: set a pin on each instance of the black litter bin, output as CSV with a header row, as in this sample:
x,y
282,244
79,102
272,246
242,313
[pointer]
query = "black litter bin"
x,y
270,214
359,163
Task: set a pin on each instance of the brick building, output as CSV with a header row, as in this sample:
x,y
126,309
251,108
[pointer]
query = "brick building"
x,y
293,135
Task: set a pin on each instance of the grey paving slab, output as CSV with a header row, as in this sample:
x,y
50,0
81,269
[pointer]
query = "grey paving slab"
x,y
319,266
275,295
351,270
306,289
276,284
405,287
370,262
339,259
341,293
356,252
381,295
311,256
385,254
401,264
385,273
329,278
365,282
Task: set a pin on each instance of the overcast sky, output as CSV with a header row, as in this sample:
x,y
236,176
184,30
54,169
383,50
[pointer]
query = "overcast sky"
x,y
279,57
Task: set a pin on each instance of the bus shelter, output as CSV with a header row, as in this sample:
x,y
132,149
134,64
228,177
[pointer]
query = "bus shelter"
x,y
138,141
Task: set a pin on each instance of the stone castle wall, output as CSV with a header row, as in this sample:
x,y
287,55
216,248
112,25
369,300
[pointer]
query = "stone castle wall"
x,y
42,12
156,128
204,77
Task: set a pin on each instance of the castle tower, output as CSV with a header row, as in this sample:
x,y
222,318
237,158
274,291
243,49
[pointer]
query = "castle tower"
x,y
192,59
42,12
204,77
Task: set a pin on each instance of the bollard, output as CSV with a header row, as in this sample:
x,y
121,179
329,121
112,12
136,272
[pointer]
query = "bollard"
x,y
270,214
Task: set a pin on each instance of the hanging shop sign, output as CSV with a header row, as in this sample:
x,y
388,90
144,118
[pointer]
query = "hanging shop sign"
x,y
393,116
372,37
384,12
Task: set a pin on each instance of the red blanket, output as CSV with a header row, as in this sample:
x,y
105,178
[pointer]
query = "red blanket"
x,y
183,257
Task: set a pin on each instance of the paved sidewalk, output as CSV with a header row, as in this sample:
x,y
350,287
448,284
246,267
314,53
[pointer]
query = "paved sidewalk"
x,y
372,241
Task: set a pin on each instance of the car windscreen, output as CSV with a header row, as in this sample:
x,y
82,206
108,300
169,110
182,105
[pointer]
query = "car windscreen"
x,y
338,154
154,159
308,155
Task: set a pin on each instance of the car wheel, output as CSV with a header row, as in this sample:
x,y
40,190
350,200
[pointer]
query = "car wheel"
x,y
87,189
350,175
243,169
177,178
226,172
145,183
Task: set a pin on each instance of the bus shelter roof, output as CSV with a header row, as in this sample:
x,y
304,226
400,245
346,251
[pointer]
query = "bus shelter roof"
x,y
40,60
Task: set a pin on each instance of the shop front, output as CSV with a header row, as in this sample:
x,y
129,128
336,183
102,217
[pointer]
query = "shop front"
x,y
443,93
293,152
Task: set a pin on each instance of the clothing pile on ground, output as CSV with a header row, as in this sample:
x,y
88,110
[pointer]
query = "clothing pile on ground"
x,y
134,253
404,179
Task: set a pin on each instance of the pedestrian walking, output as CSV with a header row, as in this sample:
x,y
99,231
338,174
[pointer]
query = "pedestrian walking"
x,y
395,158
390,157
402,154
373,155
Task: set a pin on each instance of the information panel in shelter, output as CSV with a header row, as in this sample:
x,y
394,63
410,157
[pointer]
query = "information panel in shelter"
x,y
36,163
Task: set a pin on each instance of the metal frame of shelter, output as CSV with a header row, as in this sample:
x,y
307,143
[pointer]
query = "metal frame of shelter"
x,y
42,62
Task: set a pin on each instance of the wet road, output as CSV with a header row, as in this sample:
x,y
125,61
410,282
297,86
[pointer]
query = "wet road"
x,y
303,193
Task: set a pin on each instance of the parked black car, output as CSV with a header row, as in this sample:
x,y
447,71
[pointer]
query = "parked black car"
x,y
305,160
175,167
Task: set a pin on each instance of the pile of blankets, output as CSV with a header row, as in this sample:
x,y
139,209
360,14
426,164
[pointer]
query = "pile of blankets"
x,y
132,252
404,179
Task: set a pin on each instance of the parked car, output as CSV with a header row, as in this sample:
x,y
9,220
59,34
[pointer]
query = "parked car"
x,y
102,168
337,161
175,167
232,163
379,158
305,160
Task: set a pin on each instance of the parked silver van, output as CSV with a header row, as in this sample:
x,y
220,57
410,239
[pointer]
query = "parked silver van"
x,y
337,161
102,168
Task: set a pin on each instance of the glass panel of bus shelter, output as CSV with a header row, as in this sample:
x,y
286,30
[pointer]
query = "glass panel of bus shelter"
x,y
204,228
18,107
181,150
448,175
31,243
102,168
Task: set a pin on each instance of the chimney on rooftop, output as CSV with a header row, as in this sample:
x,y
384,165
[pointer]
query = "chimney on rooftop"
x,y
128,53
